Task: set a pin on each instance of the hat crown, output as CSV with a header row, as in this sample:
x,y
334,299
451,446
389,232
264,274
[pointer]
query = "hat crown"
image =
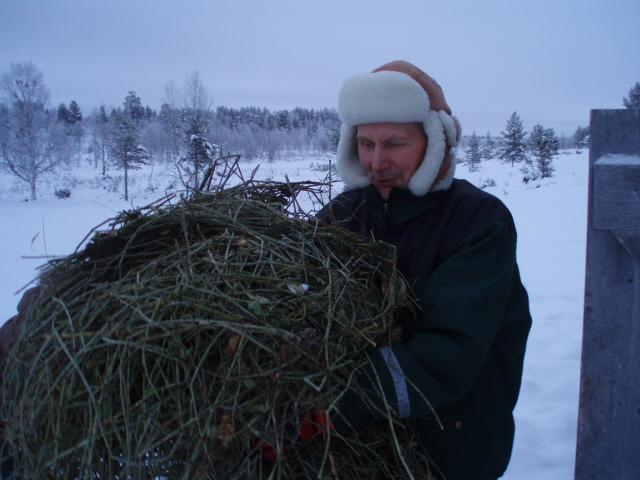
x,y
433,88
382,97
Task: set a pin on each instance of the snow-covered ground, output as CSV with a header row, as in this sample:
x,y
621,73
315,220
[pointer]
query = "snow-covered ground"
x,y
550,217
552,225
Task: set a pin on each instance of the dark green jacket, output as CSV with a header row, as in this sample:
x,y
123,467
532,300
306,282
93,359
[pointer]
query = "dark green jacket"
x,y
464,349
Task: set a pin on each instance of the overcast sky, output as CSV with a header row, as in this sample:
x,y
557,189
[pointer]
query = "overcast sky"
x,y
551,60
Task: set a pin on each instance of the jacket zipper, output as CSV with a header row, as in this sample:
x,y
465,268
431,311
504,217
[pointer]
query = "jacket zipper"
x,y
387,216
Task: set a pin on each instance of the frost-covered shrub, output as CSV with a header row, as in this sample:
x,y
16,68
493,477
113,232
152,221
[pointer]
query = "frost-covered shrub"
x,y
111,184
62,193
488,182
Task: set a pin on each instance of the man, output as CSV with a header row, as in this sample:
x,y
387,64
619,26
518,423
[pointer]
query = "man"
x,y
456,244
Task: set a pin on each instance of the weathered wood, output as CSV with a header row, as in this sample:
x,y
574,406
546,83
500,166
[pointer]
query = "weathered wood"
x,y
609,417
616,193
614,132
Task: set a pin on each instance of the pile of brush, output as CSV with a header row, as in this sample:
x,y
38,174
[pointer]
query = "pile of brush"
x,y
188,338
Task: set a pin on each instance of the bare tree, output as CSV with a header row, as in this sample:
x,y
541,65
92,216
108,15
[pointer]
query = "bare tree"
x,y
26,149
171,118
101,138
195,97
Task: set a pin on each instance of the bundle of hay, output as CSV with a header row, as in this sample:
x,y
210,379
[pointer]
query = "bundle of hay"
x,y
187,338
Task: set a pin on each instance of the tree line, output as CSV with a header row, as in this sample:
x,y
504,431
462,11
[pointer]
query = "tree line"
x,y
533,152
188,133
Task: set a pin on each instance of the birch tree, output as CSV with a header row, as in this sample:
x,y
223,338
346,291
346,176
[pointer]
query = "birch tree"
x,y
26,144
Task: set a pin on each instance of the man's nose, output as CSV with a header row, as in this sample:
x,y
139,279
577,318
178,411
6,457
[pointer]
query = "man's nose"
x,y
378,159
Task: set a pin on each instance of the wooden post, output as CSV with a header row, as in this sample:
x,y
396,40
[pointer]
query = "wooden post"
x,y
608,444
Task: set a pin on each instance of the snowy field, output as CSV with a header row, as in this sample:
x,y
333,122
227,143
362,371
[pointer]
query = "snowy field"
x,y
550,217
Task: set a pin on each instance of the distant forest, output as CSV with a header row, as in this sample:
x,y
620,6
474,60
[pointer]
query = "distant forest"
x,y
187,131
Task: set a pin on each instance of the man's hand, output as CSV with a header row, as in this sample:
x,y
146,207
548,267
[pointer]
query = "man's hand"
x,y
314,423
9,331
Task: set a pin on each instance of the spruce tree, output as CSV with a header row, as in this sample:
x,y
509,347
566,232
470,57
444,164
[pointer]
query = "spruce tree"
x,y
126,149
536,147
74,124
196,109
544,145
633,101
133,107
581,137
473,155
63,113
199,151
283,120
551,146
149,113
513,148
488,149
75,114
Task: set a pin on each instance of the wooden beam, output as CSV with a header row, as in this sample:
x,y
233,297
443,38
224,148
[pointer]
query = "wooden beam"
x,y
608,444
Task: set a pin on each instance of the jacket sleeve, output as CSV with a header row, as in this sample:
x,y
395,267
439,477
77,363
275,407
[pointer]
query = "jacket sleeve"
x,y
10,329
463,304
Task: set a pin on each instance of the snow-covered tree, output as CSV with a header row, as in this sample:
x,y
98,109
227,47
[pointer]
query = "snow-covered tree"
x,y
75,114
552,145
27,149
126,148
333,133
488,149
75,130
283,120
196,111
70,115
513,148
544,146
170,117
535,145
245,129
154,138
5,134
581,137
472,153
632,102
149,113
199,154
100,138
63,113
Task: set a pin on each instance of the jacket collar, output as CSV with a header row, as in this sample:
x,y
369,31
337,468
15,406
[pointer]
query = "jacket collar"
x,y
401,207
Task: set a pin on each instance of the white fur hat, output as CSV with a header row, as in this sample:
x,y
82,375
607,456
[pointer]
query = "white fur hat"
x,y
398,92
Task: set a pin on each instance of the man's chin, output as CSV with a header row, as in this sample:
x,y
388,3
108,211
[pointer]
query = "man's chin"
x,y
384,189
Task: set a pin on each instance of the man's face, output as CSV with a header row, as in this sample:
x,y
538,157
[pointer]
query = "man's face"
x,y
390,153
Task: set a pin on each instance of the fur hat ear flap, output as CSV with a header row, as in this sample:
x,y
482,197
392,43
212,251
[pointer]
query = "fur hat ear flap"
x,y
451,128
348,165
423,178
453,132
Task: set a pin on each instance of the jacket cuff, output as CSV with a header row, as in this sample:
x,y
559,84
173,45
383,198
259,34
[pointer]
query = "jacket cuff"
x,y
380,385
